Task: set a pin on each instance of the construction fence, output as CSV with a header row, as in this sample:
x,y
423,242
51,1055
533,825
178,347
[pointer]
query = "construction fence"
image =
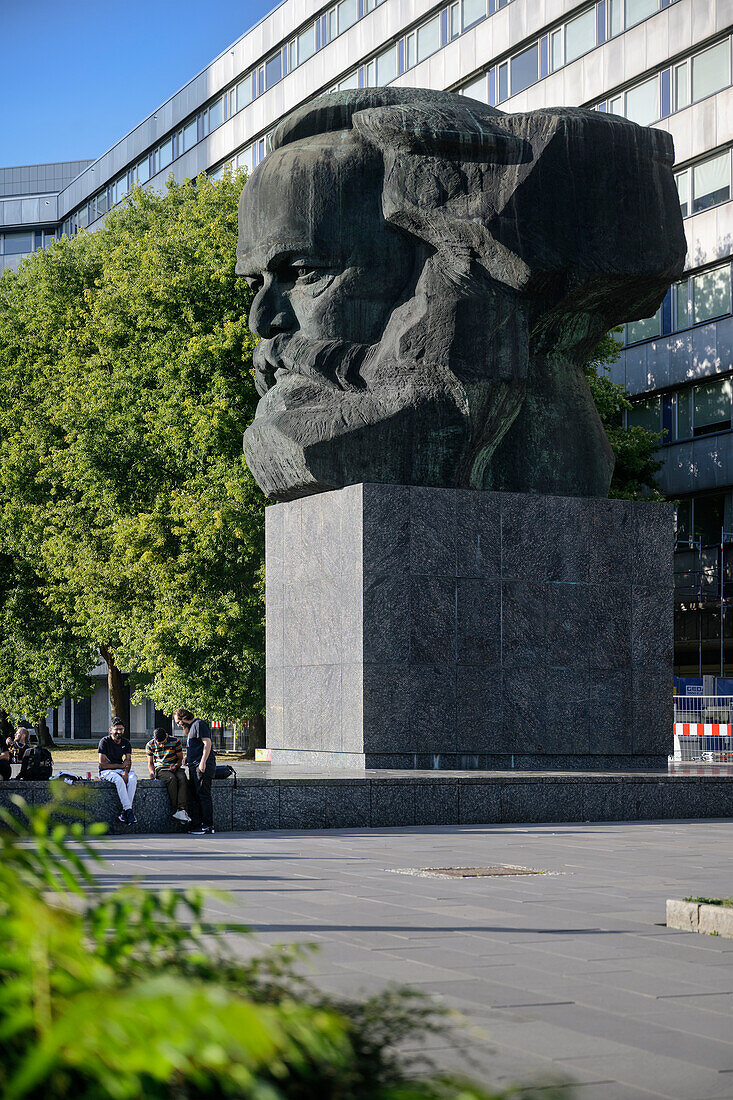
x,y
702,728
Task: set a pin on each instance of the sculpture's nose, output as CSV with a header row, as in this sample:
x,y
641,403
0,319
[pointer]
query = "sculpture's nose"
x,y
271,311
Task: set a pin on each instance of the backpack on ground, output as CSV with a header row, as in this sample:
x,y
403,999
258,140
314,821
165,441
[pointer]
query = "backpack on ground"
x,y
37,763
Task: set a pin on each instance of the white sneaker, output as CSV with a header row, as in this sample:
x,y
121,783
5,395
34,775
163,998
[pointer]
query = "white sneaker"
x,y
181,815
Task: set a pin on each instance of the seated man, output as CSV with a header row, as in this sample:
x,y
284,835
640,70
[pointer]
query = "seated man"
x,y
19,744
115,765
165,761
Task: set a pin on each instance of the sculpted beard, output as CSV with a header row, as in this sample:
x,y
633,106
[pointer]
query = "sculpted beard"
x,y
327,364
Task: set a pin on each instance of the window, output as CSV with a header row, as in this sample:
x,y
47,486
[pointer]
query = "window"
x,y
711,294
614,17
245,159
682,179
473,10
101,204
556,50
141,171
119,189
636,10
82,217
524,69
503,81
455,20
387,66
17,243
428,39
645,414
681,89
306,44
580,35
684,414
712,407
348,13
409,51
709,512
642,102
350,81
711,182
711,70
477,89
188,136
646,329
273,73
164,155
244,93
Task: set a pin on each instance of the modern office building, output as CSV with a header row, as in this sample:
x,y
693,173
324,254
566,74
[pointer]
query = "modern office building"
x,y
663,63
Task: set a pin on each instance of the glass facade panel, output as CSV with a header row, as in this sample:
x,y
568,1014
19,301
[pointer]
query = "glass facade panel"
x,y
616,105
711,182
711,294
387,66
712,405
636,10
473,10
455,20
273,73
684,414
101,203
524,69
681,89
165,154
682,179
711,70
189,132
119,189
351,81
17,243
614,16
646,414
244,94
306,44
642,102
682,304
141,171
580,35
428,38
646,329
410,51
348,13
503,81
556,50
477,89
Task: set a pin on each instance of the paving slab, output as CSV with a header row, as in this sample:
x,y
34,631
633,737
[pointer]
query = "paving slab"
x,y
569,976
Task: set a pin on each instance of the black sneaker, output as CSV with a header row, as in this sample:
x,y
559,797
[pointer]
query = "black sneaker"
x,y
131,819
122,818
203,830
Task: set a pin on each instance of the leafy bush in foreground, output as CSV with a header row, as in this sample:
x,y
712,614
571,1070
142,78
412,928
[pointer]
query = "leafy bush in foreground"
x,y
128,994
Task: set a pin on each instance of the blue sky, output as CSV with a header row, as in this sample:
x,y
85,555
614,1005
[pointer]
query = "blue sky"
x,y
78,74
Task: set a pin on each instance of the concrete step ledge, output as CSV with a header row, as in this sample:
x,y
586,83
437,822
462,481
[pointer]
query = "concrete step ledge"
x,y
694,916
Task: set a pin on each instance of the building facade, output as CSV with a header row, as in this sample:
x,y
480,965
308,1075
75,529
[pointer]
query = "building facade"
x,y
664,63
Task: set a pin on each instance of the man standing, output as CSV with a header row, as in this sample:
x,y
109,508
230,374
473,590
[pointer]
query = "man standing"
x,y
165,761
201,767
115,765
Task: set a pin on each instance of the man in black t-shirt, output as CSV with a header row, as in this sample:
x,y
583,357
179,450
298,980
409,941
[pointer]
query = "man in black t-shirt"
x,y
115,765
201,762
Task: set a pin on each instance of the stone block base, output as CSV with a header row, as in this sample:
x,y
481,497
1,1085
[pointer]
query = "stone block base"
x,y
440,628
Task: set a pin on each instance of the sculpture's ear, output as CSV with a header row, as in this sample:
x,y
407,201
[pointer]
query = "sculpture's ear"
x,y
460,134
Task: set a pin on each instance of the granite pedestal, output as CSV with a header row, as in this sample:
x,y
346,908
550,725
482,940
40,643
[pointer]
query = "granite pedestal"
x,y
440,628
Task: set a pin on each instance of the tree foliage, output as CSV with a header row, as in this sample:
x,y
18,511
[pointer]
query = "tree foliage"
x,y
125,385
634,448
117,995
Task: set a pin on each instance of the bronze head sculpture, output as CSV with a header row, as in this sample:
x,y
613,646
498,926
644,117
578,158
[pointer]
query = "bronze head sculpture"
x,y
430,275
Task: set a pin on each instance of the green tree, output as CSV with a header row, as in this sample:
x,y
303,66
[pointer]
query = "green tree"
x,y
125,385
634,476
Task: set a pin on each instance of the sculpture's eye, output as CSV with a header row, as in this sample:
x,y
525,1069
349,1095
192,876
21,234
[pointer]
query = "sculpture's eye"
x,y
254,282
317,279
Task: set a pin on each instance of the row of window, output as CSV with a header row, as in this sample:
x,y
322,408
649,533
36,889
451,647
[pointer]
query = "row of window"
x,y
703,518
18,244
692,301
696,78
705,184
698,410
675,88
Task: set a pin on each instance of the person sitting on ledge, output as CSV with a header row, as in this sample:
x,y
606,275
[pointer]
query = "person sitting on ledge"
x,y
19,744
165,761
115,765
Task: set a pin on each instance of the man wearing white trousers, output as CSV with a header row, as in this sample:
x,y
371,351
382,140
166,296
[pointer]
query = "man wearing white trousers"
x,y
115,765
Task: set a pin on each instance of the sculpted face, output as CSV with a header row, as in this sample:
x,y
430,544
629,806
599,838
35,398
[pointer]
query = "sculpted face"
x,y
429,277
329,274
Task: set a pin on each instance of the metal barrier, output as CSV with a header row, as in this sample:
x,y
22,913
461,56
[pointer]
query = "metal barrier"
x,y
703,728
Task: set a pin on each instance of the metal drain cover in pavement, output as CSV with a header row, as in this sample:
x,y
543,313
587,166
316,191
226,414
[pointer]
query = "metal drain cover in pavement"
x,y
479,872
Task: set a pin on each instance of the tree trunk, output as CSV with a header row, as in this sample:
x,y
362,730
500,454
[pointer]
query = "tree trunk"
x,y
115,683
6,726
256,735
43,733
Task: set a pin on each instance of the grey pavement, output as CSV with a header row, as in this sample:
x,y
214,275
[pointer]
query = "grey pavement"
x,y
570,976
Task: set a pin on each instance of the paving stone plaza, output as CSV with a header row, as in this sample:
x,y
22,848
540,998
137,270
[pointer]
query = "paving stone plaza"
x,y
569,976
